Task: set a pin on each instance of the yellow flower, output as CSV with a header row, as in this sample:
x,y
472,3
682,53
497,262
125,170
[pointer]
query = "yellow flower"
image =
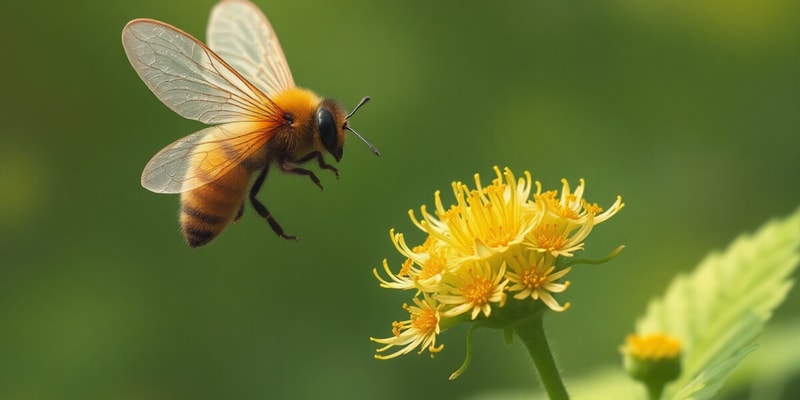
x,y
494,240
572,206
484,221
422,269
536,280
554,237
566,220
473,289
420,329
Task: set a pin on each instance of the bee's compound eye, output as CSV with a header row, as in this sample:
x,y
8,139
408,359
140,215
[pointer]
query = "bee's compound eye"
x,y
327,128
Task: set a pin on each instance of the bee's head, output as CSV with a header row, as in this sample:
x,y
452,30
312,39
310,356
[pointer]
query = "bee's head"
x,y
332,121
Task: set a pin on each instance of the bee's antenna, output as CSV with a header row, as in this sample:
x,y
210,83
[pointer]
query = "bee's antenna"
x,y
371,147
360,103
347,126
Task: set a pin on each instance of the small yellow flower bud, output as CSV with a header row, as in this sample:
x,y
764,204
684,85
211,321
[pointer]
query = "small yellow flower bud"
x,y
653,359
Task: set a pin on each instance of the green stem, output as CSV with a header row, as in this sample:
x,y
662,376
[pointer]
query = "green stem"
x,y
654,390
531,332
468,356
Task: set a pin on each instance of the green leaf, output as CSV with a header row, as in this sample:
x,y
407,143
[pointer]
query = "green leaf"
x,y
767,372
718,310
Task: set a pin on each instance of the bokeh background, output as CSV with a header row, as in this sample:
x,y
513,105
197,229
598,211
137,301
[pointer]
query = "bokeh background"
x,y
687,108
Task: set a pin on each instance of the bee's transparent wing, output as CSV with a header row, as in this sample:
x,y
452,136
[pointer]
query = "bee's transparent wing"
x,y
204,156
240,33
189,78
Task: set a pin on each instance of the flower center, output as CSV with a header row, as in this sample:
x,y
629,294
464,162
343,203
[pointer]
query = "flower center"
x,y
548,237
478,291
555,206
532,279
425,322
497,236
434,266
495,228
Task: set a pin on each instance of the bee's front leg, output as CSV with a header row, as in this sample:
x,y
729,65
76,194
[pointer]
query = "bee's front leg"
x,y
290,167
320,160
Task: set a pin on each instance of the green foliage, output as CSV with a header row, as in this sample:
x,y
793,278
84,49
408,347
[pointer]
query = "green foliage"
x,y
765,373
718,310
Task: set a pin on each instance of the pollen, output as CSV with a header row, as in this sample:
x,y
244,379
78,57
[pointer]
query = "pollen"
x,y
547,237
396,328
532,279
495,189
450,213
478,291
405,269
593,208
564,212
426,321
498,236
434,266
556,206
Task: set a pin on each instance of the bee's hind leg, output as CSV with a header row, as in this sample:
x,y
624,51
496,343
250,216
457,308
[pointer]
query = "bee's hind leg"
x,y
239,214
262,210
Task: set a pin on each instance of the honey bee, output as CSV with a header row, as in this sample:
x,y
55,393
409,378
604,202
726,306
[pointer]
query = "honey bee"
x,y
241,84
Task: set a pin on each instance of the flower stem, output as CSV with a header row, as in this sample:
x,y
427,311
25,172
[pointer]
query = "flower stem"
x,y
654,390
531,332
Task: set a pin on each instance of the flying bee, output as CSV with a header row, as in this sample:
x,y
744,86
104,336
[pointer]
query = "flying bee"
x,y
241,84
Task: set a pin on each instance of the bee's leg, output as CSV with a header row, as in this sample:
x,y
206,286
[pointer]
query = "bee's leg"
x,y
262,210
321,161
239,214
290,167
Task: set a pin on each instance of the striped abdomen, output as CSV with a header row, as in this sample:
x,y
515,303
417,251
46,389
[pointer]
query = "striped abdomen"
x,y
207,210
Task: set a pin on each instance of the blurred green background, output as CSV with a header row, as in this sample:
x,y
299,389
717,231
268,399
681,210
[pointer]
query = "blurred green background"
x,y
688,109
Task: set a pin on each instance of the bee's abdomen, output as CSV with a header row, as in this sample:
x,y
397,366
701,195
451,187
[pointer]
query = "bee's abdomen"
x,y
207,210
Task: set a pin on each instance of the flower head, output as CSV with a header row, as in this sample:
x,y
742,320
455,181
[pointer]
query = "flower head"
x,y
566,220
422,269
420,329
537,280
485,220
495,240
473,289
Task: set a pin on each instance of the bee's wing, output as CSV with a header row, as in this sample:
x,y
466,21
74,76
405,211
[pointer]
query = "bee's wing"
x,y
240,33
189,78
204,156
